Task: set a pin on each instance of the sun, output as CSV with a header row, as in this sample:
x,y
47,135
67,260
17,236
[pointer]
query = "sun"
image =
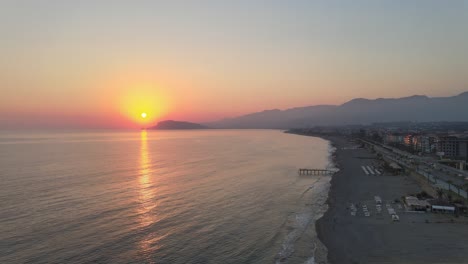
x,y
142,103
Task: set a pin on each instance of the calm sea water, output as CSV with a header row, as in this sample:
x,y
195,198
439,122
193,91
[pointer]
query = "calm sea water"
x,y
223,196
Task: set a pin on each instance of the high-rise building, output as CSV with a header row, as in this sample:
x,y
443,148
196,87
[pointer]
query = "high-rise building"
x,y
453,146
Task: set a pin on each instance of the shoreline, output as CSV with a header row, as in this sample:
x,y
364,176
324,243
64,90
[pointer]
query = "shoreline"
x,y
329,202
327,216
416,238
333,163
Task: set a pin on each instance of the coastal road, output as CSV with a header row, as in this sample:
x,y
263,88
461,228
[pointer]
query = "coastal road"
x,y
439,176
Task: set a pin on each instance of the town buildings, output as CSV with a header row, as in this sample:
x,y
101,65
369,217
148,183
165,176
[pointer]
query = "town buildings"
x,y
453,146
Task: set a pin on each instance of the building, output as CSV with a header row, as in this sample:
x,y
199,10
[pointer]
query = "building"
x,y
409,140
441,206
453,146
394,138
415,204
424,143
395,168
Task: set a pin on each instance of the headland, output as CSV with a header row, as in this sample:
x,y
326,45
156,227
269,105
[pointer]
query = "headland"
x,y
177,125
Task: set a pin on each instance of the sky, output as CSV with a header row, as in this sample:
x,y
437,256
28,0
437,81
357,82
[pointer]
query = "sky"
x,y
103,63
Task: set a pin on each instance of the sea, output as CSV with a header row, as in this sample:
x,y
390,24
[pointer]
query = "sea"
x,y
145,196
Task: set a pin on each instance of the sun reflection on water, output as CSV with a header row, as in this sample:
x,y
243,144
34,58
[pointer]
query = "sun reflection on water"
x,y
146,212
146,191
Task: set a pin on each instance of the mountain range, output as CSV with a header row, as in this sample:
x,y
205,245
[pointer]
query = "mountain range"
x,y
418,108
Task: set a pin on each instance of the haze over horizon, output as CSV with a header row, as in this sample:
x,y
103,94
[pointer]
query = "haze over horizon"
x,y
91,64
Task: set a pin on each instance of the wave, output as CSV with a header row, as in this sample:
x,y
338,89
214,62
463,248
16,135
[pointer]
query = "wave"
x,y
314,198
298,223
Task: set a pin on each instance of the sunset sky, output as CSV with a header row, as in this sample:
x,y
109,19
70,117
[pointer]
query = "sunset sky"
x,y
103,63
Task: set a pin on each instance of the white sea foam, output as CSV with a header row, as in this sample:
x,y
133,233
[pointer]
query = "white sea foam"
x,y
314,201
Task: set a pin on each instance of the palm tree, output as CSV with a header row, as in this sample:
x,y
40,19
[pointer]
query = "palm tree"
x,y
449,182
458,189
440,193
466,190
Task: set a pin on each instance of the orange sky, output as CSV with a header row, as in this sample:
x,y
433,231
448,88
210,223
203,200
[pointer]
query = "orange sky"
x,y
91,64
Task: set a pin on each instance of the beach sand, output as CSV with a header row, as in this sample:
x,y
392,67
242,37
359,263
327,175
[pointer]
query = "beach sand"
x,y
376,238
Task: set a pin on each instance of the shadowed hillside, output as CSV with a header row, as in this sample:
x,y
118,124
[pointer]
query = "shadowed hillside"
x,y
357,111
171,124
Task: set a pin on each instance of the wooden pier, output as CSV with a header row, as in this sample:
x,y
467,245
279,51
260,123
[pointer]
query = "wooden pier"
x,y
314,172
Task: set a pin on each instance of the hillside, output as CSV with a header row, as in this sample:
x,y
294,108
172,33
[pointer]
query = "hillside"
x,y
357,111
171,124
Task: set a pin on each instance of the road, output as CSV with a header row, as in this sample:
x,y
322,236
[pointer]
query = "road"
x,y
441,176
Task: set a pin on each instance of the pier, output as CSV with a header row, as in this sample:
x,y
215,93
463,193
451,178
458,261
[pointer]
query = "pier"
x,y
314,172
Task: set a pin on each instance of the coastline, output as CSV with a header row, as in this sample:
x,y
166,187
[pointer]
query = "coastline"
x,y
417,238
320,249
327,216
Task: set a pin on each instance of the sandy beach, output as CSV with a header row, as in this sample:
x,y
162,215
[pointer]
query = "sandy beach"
x,y
357,238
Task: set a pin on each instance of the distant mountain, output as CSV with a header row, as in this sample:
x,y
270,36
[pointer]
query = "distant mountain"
x,y
171,124
357,111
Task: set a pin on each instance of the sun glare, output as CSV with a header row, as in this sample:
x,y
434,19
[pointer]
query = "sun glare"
x,y
143,103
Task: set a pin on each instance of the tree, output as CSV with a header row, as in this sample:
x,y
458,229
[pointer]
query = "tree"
x,y
458,189
450,184
466,190
440,193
